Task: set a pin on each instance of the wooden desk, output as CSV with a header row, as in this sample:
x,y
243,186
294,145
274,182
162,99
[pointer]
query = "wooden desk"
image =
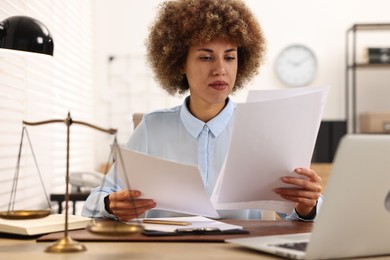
x,y
255,227
21,250
323,170
29,249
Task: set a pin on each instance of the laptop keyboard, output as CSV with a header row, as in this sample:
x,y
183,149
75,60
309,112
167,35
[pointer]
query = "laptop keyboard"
x,y
300,246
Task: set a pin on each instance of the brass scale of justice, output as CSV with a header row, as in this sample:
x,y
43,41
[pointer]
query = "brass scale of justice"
x,y
66,243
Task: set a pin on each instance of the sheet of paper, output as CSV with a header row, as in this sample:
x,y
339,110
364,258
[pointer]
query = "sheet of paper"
x,y
270,139
196,222
173,186
258,95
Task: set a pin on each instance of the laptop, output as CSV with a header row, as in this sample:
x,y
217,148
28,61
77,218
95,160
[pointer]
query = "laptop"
x,y
354,220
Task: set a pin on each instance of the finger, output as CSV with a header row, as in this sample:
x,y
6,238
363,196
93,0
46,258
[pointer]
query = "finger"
x,y
124,195
129,215
298,193
133,211
311,174
123,206
305,184
301,201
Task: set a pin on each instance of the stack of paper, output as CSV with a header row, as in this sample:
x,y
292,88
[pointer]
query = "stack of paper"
x,y
195,223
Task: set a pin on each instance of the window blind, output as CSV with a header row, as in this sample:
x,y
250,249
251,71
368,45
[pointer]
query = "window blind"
x,y
40,87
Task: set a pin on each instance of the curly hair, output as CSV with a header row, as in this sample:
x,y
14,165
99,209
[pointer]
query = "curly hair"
x,y
182,23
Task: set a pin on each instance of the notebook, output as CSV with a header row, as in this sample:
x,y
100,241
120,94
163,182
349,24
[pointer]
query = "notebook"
x,y
354,219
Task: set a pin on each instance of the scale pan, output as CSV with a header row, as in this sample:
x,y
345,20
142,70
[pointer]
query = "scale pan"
x,y
24,214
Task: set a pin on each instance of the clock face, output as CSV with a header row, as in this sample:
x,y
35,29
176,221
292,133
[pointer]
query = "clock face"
x,y
296,65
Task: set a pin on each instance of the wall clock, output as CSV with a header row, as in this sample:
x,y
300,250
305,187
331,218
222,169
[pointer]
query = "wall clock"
x,y
296,65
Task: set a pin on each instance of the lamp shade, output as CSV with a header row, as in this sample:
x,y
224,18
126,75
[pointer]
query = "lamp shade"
x,y
25,34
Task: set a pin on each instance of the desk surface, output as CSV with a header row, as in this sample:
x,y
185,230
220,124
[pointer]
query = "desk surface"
x,y
30,249
255,227
130,250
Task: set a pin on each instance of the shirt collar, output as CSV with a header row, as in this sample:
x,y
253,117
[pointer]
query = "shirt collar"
x,y
216,125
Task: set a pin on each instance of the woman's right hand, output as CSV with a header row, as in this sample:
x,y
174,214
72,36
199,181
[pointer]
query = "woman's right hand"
x,y
126,204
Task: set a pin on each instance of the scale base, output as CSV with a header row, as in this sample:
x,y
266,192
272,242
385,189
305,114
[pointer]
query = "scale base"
x,y
115,228
66,245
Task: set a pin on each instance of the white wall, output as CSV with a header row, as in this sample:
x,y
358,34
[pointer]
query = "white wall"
x,y
36,87
321,25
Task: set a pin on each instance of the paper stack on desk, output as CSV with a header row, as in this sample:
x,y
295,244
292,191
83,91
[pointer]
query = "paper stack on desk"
x,y
274,132
197,222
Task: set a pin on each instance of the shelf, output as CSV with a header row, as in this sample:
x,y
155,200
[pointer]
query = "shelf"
x,y
367,65
371,27
352,66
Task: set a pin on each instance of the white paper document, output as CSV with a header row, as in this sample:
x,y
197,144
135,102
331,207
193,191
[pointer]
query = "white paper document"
x,y
173,186
273,133
270,139
196,222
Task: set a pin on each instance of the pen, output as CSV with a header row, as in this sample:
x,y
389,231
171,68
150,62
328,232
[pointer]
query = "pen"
x,y
166,222
207,230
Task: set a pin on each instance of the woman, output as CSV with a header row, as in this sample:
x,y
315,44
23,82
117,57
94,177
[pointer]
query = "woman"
x,y
210,48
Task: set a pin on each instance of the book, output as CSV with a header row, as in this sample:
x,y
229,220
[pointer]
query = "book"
x,y
380,55
383,58
380,50
49,224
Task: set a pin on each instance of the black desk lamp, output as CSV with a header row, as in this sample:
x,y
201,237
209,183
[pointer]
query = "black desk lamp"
x,y
24,33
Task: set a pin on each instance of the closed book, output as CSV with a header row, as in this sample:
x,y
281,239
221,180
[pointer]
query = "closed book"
x,y
49,224
381,50
383,58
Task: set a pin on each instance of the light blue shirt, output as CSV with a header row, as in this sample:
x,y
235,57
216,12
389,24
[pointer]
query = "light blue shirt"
x,y
177,135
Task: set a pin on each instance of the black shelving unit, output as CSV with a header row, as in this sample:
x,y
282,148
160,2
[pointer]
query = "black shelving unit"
x,y
352,66
328,138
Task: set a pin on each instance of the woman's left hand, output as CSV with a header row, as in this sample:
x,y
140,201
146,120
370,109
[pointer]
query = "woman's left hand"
x,y
305,194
